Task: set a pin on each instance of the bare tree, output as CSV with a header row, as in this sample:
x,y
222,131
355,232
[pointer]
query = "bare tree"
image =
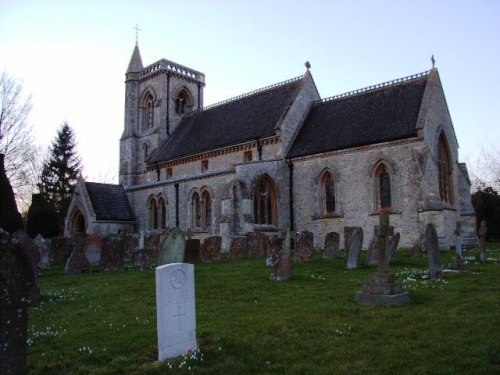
x,y
485,170
22,159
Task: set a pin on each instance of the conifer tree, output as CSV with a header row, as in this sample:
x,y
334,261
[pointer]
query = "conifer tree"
x,y
60,172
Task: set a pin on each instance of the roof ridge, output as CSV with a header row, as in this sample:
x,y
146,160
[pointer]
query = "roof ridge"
x,y
235,98
371,88
101,183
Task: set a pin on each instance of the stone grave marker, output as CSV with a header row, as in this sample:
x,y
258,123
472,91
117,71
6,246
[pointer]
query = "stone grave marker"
x,y
481,253
141,259
239,247
280,261
16,280
29,247
458,263
175,310
416,250
304,247
257,244
93,248
353,247
77,263
112,253
372,256
61,249
432,247
392,246
43,245
332,240
172,248
193,248
211,249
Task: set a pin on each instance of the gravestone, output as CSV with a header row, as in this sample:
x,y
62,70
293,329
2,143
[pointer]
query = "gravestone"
x,y
332,240
92,249
175,310
61,249
416,250
257,244
353,247
276,246
383,289
392,246
130,244
458,263
16,281
304,247
43,246
192,254
481,254
152,242
280,261
141,259
211,249
29,247
172,248
239,248
77,263
112,253
432,247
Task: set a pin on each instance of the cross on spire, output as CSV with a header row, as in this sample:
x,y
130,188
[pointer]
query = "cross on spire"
x,y
433,61
136,28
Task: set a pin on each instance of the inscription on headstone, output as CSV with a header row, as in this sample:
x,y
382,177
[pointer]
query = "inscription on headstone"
x,y
175,309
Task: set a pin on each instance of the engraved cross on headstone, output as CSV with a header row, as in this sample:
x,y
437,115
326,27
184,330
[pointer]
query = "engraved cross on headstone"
x,y
179,315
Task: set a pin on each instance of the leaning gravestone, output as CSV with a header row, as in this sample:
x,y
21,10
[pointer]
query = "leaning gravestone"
x,y
172,248
211,249
372,256
93,248
392,246
416,250
332,240
257,244
280,261
304,247
16,280
239,247
175,310
193,248
353,243
481,254
432,247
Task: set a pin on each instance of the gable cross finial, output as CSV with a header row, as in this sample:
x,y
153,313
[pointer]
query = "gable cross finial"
x,y
433,61
308,65
136,27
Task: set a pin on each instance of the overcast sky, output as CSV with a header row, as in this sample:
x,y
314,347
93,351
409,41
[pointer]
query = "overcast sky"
x,y
72,56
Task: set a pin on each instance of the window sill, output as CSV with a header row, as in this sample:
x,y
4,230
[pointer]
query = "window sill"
x,y
392,212
328,216
265,228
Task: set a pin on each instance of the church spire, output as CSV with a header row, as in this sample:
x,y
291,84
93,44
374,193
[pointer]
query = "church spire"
x,y
135,64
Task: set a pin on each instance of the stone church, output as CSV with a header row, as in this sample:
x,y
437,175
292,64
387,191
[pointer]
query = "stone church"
x,y
278,156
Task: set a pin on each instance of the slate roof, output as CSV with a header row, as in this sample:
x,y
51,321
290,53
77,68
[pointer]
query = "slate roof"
x,y
238,120
382,113
109,202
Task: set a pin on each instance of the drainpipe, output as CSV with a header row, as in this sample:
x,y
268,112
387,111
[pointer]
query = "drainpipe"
x,y
290,170
176,205
157,171
259,148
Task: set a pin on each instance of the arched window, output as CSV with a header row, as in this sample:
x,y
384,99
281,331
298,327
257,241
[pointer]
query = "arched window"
x,y
207,209
148,111
383,188
265,202
162,213
328,193
78,222
195,211
182,102
152,214
445,172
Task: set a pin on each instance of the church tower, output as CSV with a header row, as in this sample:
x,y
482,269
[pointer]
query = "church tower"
x,y
157,97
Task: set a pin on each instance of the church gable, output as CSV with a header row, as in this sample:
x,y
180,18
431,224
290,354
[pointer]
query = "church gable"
x,y
383,113
250,117
109,202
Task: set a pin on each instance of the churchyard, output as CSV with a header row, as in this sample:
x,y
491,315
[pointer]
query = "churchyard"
x,y
105,322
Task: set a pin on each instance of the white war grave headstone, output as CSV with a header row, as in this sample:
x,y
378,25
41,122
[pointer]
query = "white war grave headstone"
x,y
175,310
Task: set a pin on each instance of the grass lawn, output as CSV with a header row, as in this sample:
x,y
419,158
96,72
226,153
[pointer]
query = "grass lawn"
x,y
105,323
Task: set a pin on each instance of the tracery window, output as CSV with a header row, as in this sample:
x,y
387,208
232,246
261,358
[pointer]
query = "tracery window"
x,y
265,202
182,102
152,214
207,209
148,112
162,213
328,193
195,211
383,188
445,171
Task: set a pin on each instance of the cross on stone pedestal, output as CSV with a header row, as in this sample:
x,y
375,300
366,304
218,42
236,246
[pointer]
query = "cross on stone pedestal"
x,y
481,256
179,315
383,235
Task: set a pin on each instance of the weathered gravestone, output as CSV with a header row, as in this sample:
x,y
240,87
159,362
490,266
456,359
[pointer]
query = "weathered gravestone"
x,y
276,246
304,247
43,245
16,280
29,247
130,244
239,247
141,259
481,254
383,289
175,310
211,249
61,249
193,248
172,248
432,247
392,246
353,243
257,244
280,261
416,250
112,253
152,242
458,263
92,249
332,240
77,262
